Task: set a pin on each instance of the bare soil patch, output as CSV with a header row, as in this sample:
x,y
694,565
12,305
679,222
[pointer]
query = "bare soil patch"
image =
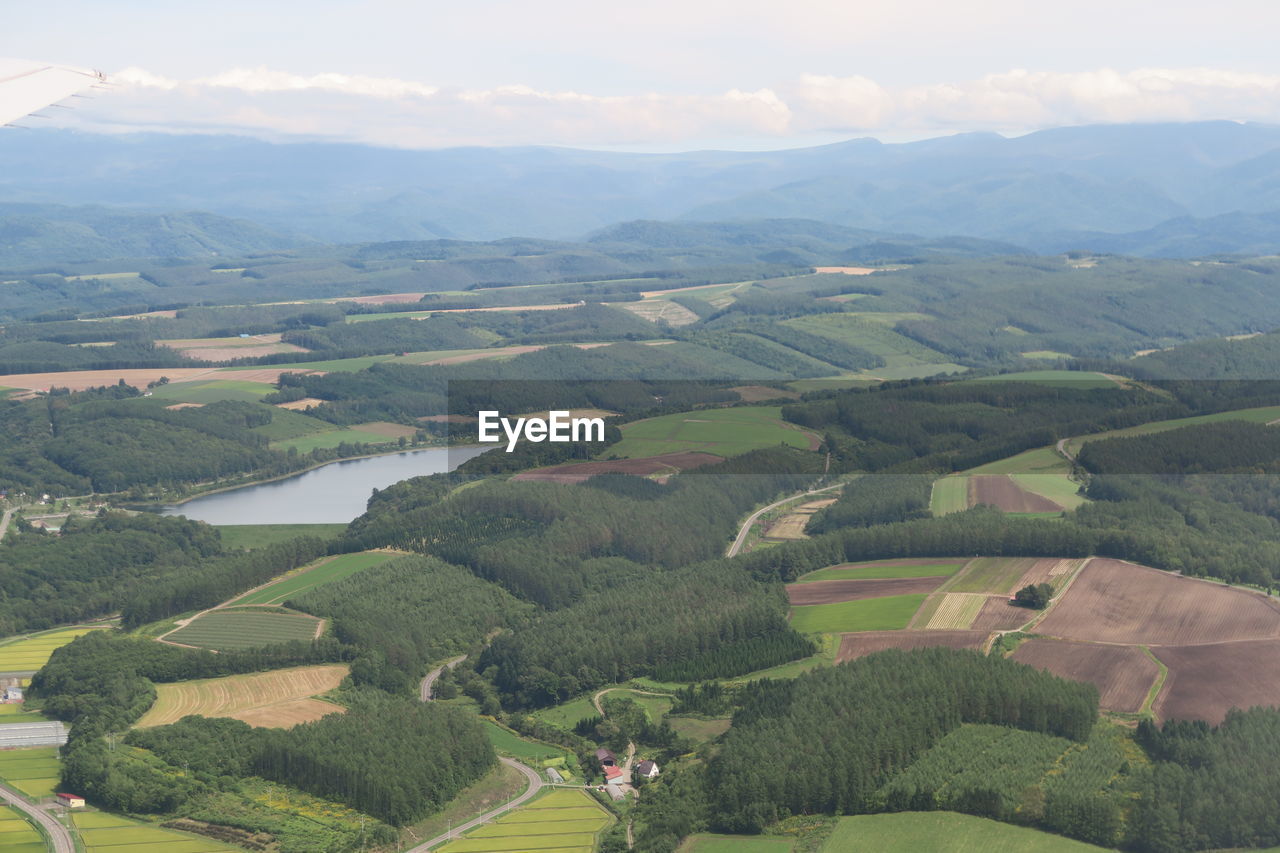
x,y
185,406
1122,674
846,270
759,393
387,428
228,353
668,463
997,614
80,380
303,404
448,419
266,375
999,490
1112,601
256,695
854,646
829,592
477,356
381,299
284,715
1205,682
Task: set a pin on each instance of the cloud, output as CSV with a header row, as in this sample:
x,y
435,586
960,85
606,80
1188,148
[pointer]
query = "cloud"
x,y
405,113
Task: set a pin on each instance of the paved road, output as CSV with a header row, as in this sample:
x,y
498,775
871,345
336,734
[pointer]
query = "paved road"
x,y
746,525
425,690
4,521
535,785
1066,451
61,837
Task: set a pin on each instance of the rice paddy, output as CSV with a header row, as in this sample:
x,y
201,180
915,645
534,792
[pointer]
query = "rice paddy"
x,y
17,834
33,771
563,821
108,833
30,653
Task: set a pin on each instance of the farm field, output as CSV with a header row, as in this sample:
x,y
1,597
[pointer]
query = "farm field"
x,y
944,832
1069,378
1042,460
563,821
999,614
652,466
286,424
854,646
17,834
793,523
950,494
260,535
699,731
832,591
212,391
568,714
316,574
903,357
922,568
1123,674
1204,682
1260,415
1007,494
332,438
509,743
723,432
1112,601
231,629
16,714
275,699
32,652
227,348
1006,575
705,842
873,614
107,833
956,611
33,770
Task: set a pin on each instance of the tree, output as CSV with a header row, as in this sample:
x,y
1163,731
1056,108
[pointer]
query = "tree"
x,y
1034,595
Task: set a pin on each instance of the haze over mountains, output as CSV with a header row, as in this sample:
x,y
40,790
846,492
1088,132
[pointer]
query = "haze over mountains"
x,y
1179,190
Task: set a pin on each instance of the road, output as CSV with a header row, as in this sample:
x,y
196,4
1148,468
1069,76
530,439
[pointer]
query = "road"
x,y
61,837
4,521
1066,451
746,525
425,689
535,785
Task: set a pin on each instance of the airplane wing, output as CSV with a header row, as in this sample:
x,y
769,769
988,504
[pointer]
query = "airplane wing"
x,y
26,87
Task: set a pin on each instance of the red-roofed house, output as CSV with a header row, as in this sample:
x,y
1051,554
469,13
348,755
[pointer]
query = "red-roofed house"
x,y
614,775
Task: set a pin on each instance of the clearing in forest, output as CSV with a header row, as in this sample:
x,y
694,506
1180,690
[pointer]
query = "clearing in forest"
x,y
275,699
657,467
723,432
1006,494
319,573
225,630
705,842
950,494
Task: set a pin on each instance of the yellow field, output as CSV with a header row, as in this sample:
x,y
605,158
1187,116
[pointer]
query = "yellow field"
x,y
17,835
33,652
563,821
107,833
276,699
33,770
957,611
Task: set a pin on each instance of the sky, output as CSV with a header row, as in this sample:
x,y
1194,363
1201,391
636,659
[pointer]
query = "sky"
x,y
657,75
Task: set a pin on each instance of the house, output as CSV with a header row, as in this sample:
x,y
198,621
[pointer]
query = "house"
x,y
647,769
12,694
613,775
606,757
71,801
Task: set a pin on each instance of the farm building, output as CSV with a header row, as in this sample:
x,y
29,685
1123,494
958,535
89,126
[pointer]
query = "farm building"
x,y
613,775
553,776
647,769
71,801
12,694
15,735
606,757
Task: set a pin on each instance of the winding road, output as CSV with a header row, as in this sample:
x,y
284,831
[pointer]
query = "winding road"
x,y
60,836
535,785
4,521
751,519
425,689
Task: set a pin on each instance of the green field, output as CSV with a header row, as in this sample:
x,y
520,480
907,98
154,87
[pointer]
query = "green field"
x,y
16,714
903,357
262,535
1046,353
567,715
286,424
331,438
509,743
213,391
724,432
861,571
17,834
944,832
314,575
1261,415
563,821
1042,460
870,614
991,575
1071,378
699,731
107,833
227,630
33,770
950,494
704,842
27,654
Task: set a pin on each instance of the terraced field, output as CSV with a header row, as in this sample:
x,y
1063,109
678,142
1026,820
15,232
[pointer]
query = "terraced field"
x,y
563,821
237,629
107,833
29,653
276,699
34,770
17,834
311,576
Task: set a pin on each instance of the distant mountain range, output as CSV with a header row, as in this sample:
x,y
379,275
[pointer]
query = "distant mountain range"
x,y
1174,189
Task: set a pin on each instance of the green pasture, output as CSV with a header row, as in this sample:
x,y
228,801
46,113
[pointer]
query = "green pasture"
x,y
869,614
1046,354
944,832
567,715
509,743
214,391
228,630
1069,378
950,494
313,576
723,432
1260,415
864,571
903,357
287,424
332,438
17,714
261,535
1042,460
704,842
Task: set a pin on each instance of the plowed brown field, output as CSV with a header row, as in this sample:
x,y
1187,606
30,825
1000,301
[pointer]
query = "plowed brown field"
x,y
997,614
829,592
576,473
1122,674
854,646
1204,682
999,490
269,699
1116,602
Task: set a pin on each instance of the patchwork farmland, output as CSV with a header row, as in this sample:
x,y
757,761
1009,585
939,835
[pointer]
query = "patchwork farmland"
x,y
107,833
276,699
563,821
1124,675
17,834
34,770
1206,681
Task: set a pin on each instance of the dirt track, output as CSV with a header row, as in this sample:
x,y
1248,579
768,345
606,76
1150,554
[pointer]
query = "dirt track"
x,y
999,490
854,646
829,592
1122,674
580,471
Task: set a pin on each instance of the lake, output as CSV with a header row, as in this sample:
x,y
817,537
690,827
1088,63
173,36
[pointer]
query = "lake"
x,y
331,494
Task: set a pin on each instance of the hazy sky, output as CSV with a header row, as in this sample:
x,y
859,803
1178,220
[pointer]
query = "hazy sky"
x,y
655,74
